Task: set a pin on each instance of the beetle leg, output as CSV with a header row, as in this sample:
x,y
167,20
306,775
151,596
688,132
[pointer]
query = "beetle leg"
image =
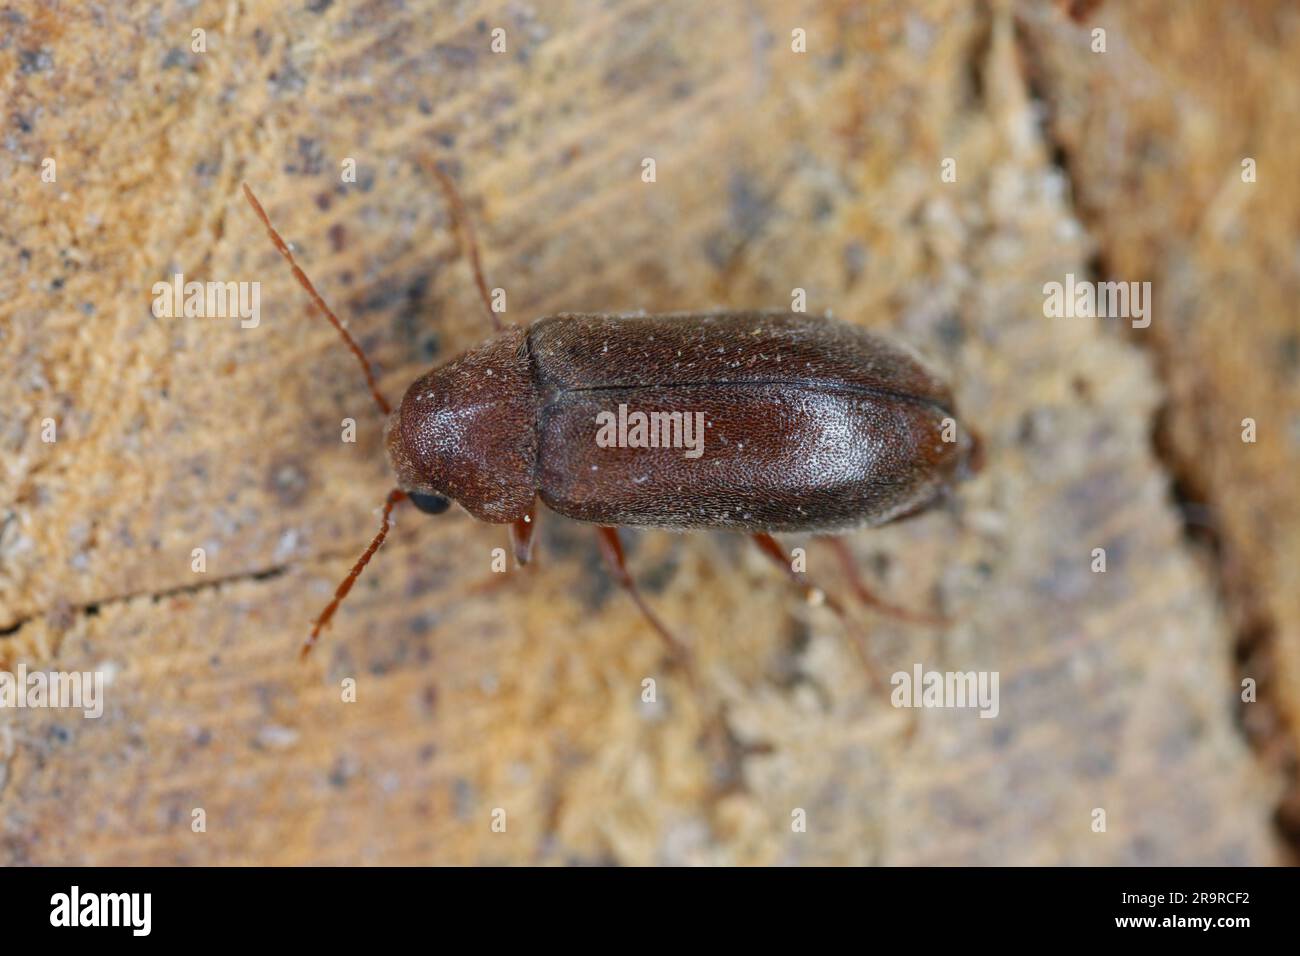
x,y
869,597
815,595
521,536
612,550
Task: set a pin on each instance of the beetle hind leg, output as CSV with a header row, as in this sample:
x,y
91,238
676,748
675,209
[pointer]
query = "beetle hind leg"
x,y
611,548
816,595
869,597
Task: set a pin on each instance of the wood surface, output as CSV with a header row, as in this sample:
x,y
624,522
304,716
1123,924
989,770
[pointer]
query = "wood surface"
x,y
775,170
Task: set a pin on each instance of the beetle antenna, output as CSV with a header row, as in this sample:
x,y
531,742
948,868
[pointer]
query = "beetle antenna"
x,y
394,497
468,241
317,300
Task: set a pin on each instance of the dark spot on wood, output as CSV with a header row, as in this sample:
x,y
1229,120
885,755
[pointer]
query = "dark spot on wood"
x,y
311,158
421,624
457,57
570,541
1288,353
287,481
1036,426
717,249
344,769
35,61
854,257
748,208
951,331
823,205
462,798
411,323
288,80
559,538
15,850
657,577
393,292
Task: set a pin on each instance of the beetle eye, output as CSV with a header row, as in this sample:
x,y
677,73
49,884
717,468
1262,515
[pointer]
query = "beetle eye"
x,y
430,504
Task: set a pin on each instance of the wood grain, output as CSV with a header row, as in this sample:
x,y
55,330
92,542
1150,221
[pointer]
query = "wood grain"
x,y
775,171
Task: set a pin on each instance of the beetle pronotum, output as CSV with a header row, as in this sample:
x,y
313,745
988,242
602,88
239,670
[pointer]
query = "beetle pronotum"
x,y
811,425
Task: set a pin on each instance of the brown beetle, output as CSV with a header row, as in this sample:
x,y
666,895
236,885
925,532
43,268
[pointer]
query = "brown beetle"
x,y
756,422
